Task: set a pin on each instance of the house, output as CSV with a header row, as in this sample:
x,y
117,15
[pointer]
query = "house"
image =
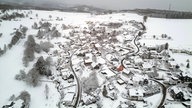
x,y
185,79
120,68
68,99
150,90
152,74
95,65
114,59
171,82
147,66
144,82
65,74
111,86
128,73
177,96
135,94
113,96
88,58
120,81
87,99
127,104
71,78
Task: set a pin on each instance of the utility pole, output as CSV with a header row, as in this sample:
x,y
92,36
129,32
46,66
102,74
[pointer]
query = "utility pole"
x,y
169,6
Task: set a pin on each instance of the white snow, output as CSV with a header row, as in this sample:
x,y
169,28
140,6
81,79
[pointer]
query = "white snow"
x,y
11,61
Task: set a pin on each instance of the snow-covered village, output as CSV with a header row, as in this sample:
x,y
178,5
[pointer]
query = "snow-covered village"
x,y
57,59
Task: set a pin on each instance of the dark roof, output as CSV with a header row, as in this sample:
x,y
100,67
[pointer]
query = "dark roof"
x,y
71,76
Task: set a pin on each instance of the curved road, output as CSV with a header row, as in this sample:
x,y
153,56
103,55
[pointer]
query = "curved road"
x,y
78,94
164,91
134,41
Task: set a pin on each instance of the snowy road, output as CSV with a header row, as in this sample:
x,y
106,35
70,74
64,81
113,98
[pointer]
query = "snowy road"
x,y
78,94
164,91
134,41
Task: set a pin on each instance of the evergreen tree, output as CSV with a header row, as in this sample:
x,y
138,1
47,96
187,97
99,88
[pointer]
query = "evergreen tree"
x,y
104,91
41,66
5,48
145,18
166,46
33,77
188,65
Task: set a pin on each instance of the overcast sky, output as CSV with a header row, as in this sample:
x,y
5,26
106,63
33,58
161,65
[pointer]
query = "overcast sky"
x,y
185,5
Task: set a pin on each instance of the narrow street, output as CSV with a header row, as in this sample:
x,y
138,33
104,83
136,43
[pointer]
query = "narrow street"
x,y
130,54
78,94
164,91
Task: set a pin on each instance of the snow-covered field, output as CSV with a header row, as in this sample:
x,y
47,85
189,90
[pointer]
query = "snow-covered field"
x,y
178,29
11,62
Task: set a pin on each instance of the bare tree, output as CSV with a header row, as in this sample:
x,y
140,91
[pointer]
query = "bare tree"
x,y
90,83
26,97
12,98
35,26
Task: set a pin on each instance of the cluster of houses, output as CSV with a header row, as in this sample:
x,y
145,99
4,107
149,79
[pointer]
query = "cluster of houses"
x,y
178,95
99,41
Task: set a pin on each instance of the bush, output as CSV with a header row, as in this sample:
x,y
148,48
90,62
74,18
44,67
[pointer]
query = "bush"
x,y
21,76
56,33
45,46
91,83
12,98
48,61
35,26
40,34
24,30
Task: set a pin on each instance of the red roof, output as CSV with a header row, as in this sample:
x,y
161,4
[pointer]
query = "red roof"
x,y
120,68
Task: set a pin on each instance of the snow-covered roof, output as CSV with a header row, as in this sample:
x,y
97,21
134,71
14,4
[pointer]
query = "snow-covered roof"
x,y
147,65
97,45
135,92
138,60
120,81
88,58
69,97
